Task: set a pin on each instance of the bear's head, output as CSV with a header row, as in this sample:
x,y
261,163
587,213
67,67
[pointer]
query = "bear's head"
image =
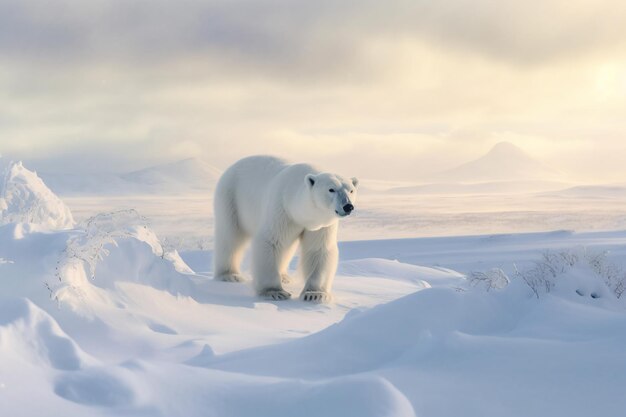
x,y
333,193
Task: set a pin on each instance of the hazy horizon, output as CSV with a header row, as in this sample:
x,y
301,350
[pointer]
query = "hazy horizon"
x,y
390,92
499,163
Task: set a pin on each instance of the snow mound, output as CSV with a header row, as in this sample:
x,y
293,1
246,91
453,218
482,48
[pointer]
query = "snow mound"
x,y
95,387
363,396
24,198
29,334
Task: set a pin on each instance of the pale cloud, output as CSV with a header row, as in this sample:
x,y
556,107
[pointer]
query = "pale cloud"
x,y
395,89
291,36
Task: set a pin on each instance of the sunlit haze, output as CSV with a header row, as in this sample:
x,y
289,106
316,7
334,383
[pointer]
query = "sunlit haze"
x,y
385,90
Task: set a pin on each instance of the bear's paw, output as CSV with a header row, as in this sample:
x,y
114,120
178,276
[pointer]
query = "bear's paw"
x,y
316,296
231,278
275,294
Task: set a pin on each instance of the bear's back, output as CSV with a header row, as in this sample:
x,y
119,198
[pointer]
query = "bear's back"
x,y
246,184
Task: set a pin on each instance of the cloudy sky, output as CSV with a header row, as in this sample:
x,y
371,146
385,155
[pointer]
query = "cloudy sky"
x,y
386,89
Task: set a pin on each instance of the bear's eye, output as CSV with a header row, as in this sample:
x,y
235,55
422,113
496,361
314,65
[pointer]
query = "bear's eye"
x,y
332,190
351,191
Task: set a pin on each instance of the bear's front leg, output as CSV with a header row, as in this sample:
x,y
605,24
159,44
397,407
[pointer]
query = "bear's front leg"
x,y
268,255
319,263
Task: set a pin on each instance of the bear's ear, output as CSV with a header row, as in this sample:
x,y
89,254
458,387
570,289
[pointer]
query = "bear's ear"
x,y
355,182
309,180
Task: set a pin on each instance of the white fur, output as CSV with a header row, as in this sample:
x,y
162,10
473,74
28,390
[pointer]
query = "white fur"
x,y
279,205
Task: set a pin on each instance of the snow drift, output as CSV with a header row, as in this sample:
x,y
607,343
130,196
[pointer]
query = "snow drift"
x,y
30,335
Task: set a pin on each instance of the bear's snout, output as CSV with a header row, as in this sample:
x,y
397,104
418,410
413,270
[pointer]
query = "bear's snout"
x,y
348,208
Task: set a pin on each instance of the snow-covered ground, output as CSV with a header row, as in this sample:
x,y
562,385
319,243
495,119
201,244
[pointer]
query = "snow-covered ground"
x,y
104,319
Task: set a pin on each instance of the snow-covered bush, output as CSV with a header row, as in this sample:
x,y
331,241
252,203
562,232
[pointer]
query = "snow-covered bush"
x,y
493,279
555,266
613,275
103,229
584,272
97,236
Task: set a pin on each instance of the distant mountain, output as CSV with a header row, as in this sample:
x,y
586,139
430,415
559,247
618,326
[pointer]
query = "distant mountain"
x,y
504,162
187,176
87,184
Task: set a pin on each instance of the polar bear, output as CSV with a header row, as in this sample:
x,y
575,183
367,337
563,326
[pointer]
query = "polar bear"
x,y
279,205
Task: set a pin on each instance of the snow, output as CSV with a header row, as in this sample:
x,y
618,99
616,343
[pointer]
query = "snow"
x,y
24,198
403,339
490,187
105,318
602,192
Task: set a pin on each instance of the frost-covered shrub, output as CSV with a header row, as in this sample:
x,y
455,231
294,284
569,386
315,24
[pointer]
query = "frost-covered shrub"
x,y
93,240
493,279
84,249
578,270
100,230
554,266
613,275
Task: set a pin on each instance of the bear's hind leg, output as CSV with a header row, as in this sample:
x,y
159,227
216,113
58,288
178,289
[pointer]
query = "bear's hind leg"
x,y
284,266
230,242
228,256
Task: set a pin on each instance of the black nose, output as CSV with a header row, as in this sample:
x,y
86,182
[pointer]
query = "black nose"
x,y
348,208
